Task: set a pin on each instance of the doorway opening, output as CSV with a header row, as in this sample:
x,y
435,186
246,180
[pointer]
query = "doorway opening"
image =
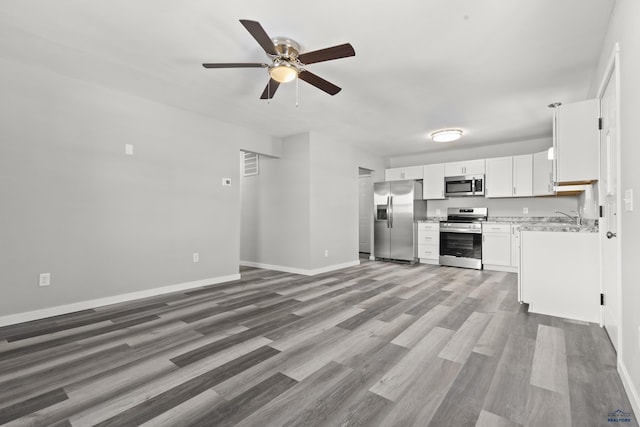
x,y
365,213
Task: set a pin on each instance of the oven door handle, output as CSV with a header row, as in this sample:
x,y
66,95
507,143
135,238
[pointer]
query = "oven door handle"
x,y
461,230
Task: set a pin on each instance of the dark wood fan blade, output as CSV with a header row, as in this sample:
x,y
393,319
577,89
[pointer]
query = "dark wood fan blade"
x,y
270,90
319,82
236,65
261,36
335,52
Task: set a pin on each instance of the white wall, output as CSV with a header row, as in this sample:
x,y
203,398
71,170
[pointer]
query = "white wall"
x,y
304,203
471,153
335,199
275,208
624,29
102,223
512,207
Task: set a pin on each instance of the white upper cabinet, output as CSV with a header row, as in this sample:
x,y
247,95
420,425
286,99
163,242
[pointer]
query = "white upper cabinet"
x,y
509,176
471,167
542,174
576,140
399,174
499,178
523,175
433,182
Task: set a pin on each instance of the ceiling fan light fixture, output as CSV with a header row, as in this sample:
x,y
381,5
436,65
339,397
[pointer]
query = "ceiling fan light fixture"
x,y
283,72
446,135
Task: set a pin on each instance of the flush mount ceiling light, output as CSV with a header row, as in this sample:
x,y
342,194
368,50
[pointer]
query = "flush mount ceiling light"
x,y
446,135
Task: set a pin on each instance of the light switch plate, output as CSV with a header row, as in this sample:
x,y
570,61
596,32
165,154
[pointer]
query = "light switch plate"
x,y
226,182
628,200
45,279
525,210
128,149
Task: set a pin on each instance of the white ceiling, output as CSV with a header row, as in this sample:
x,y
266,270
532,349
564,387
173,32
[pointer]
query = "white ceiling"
x,y
487,66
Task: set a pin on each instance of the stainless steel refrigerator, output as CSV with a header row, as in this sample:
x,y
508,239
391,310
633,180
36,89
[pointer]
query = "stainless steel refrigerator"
x,y
397,205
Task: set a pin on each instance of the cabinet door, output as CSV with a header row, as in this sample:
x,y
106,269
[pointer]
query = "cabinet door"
x,y
470,167
523,175
499,178
453,169
542,174
395,174
433,182
399,174
496,249
515,245
577,141
413,172
474,167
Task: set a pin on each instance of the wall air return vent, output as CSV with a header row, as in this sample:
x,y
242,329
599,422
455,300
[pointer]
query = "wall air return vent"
x,y
250,163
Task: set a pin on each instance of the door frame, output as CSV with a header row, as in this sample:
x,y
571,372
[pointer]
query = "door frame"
x,y
613,68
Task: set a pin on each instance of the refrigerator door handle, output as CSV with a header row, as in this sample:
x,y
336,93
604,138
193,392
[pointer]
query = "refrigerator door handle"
x,y
391,212
388,212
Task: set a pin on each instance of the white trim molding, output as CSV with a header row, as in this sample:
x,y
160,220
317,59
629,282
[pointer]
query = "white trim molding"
x,y
100,302
632,392
302,271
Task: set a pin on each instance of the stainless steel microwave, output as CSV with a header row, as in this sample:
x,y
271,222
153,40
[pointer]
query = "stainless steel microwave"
x,y
466,185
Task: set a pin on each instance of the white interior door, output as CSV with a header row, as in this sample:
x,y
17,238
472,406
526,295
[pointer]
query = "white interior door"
x,y
608,189
365,213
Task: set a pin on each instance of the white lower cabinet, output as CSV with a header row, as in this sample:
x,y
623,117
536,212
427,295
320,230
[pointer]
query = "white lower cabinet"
x,y
496,246
559,274
429,242
515,245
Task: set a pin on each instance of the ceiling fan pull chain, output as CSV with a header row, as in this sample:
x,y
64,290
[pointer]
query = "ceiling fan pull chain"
x,y
297,85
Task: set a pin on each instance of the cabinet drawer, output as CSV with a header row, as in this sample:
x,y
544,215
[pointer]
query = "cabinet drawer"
x,y
428,251
428,238
496,228
429,226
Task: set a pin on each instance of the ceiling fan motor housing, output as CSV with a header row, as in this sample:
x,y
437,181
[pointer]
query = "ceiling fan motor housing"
x,y
286,48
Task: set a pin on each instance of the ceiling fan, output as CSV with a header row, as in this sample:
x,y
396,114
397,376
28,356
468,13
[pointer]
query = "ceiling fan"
x,y
287,62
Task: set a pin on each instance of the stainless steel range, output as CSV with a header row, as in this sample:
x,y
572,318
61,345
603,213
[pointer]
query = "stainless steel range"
x,y
461,237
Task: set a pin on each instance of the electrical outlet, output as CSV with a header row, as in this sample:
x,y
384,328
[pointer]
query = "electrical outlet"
x,y
226,182
437,212
196,257
326,253
45,279
128,149
525,210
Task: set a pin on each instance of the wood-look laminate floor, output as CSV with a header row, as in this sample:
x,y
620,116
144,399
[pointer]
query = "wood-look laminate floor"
x,y
379,344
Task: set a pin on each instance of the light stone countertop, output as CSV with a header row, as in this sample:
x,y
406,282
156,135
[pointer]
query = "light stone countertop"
x,y
553,224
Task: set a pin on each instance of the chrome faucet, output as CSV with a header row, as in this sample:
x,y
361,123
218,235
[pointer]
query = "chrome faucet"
x,y
578,218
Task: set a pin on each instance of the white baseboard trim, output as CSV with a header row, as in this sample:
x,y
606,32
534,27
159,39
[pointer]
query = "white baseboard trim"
x,y
100,302
632,392
492,267
302,271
